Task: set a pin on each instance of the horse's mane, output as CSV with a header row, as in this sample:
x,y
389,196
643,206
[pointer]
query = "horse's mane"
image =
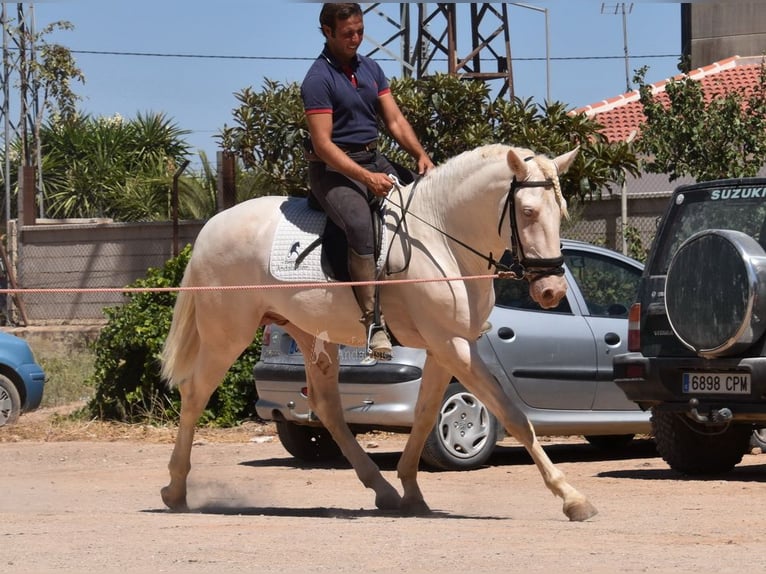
x,y
464,164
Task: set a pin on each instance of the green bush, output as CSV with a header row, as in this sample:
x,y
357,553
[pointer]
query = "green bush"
x,y
127,360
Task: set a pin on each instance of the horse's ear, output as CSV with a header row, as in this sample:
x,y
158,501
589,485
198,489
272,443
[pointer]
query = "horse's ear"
x,y
518,165
563,162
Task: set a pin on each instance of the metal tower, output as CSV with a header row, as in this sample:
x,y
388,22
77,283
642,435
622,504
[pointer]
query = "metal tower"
x,y
429,40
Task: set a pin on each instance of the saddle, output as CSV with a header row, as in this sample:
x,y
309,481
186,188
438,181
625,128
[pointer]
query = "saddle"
x,y
309,247
334,247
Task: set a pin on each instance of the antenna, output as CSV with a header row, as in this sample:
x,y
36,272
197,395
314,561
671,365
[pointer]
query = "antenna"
x,y
623,8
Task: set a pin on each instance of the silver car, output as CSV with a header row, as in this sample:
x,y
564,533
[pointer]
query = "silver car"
x,y
556,364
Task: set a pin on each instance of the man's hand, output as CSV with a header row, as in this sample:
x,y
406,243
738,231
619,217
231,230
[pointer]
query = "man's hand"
x,y
379,184
424,164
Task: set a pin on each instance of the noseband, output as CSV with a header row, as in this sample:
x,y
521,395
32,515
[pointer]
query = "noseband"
x,y
522,267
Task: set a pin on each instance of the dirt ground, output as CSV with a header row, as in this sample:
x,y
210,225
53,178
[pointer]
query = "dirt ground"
x,y
85,498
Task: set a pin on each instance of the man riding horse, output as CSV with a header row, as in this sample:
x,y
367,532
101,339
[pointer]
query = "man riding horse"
x,y
343,94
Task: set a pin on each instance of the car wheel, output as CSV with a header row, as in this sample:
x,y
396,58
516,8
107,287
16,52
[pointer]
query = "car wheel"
x,y
464,435
10,402
692,448
758,439
610,441
307,443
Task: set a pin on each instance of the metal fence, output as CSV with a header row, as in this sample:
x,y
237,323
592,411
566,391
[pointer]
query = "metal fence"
x,y
643,200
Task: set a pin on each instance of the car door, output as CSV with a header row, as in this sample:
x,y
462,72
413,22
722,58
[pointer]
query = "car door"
x,y
606,288
549,356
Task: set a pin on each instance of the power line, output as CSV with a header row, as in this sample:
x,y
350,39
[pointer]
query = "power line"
x,y
310,59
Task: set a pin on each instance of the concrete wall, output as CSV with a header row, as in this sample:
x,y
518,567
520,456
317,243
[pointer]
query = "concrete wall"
x,y
718,30
87,255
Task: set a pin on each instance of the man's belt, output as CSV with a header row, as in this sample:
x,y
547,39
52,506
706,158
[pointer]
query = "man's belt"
x,y
354,148
347,148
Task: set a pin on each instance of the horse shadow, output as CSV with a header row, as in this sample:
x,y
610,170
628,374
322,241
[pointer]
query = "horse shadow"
x,y
503,455
326,512
742,474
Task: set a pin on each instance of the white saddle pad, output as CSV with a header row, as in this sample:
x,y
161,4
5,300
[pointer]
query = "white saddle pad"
x,y
300,226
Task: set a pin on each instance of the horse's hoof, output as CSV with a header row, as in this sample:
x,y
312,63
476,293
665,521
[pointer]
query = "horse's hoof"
x,y
580,511
174,503
415,508
389,500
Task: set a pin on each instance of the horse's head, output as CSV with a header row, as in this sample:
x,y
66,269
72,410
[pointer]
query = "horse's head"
x,y
537,206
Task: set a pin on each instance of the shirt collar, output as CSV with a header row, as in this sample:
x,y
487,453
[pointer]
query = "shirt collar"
x,y
327,55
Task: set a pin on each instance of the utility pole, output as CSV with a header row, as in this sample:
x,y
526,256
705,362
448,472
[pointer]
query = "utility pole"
x,y
431,34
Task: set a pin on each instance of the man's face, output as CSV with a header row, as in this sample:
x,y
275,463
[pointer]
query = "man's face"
x,y
347,38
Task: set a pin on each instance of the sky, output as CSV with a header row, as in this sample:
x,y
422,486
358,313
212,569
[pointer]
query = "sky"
x,y
204,51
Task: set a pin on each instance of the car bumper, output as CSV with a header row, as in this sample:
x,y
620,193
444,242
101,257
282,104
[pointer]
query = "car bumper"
x,y
34,383
366,402
657,383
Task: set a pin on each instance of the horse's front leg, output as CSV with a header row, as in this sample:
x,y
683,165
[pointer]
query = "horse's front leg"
x,y
322,366
433,383
473,373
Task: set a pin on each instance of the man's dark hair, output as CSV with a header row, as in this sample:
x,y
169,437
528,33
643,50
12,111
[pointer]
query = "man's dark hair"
x,y
333,12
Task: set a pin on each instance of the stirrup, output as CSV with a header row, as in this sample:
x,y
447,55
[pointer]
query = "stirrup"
x,y
387,355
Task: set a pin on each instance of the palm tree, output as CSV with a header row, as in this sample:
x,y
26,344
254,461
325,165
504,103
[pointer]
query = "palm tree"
x,y
110,167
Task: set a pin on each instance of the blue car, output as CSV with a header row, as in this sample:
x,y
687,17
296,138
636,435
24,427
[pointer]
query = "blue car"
x,y
21,379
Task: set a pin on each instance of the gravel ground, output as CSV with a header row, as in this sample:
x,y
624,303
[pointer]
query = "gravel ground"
x,y
85,497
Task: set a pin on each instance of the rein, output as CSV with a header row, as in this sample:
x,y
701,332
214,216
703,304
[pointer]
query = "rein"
x,y
521,267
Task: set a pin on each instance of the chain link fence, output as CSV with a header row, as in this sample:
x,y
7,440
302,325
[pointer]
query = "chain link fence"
x,y
76,263
639,204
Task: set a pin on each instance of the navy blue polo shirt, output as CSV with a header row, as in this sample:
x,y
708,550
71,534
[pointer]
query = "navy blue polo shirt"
x,y
327,89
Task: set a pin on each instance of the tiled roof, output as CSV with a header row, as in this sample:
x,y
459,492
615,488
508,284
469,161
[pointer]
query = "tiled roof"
x,y
623,115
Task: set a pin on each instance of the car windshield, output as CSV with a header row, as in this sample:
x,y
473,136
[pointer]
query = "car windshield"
x,y
738,208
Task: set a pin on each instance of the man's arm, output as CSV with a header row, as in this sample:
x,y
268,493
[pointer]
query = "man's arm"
x,y
320,128
401,130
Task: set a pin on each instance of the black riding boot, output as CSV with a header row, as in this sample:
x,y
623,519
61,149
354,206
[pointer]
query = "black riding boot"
x,y
363,268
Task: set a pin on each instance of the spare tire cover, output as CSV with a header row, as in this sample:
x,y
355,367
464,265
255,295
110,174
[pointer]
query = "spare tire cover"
x,y
715,294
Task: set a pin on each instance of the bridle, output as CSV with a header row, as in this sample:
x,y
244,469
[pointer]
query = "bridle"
x,y
522,267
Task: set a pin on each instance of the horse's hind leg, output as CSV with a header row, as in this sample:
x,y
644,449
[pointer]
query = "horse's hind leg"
x,y
321,360
434,381
210,367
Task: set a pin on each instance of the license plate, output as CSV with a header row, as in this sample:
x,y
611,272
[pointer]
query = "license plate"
x,y
717,383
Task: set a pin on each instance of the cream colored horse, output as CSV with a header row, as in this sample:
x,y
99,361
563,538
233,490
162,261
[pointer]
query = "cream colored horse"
x,y
459,216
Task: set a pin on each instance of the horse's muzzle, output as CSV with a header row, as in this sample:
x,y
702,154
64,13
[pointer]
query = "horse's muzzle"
x,y
547,289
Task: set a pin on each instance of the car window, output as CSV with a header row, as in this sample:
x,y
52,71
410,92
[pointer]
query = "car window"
x,y
514,293
609,287
711,209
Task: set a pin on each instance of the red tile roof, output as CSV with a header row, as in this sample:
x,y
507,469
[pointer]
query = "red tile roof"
x,y
623,115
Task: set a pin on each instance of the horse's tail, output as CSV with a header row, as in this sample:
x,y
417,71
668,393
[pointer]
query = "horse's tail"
x,y
182,344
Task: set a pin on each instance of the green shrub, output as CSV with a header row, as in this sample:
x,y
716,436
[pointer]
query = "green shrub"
x,y
127,360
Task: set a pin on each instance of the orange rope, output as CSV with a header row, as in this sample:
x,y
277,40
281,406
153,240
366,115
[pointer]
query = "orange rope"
x,y
319,285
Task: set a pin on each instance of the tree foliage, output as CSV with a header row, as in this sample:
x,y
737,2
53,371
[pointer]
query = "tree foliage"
x,y
268,135
127,367
449,115
53,71
111,167
707,136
